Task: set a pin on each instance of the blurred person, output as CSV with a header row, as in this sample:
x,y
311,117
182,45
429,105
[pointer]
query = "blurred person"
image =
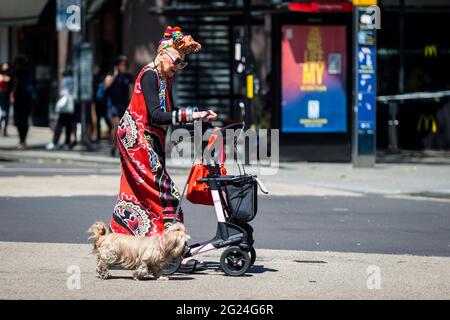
x,y
80,108
23,95
5,99
119,87
148,197
76,120
99,99
65,108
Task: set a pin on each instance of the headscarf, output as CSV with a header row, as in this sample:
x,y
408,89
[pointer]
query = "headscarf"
x,y
175,38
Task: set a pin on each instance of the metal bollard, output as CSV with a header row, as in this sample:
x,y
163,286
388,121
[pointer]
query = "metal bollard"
x,y
393,126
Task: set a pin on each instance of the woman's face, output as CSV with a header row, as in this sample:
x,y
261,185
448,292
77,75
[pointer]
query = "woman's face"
x,y
122,67
170,61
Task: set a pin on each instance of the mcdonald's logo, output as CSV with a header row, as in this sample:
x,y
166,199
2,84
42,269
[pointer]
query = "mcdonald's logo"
x,y
430,51
425,121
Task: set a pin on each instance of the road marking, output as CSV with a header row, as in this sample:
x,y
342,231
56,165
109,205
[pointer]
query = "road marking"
x,y
340,209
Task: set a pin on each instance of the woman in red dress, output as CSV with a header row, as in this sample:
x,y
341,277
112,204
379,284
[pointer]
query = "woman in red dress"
x,y
148,197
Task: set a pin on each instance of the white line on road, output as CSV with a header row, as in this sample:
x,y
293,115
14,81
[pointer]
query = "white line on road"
x,y
340,209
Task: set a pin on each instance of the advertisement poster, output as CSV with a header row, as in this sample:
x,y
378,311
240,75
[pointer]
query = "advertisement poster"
x,y
314,64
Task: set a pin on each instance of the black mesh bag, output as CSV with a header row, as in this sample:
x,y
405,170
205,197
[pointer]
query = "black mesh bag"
x,y
242,199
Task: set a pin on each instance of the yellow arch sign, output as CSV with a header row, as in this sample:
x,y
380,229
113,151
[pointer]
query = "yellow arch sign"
x,y
430,51
426,121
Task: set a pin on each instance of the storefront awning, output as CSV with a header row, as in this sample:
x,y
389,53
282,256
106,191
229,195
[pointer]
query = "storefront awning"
x,y
24,12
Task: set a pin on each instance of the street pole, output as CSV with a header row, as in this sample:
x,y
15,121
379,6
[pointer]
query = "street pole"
x,y
364,98
83,102
249,75
85,58
393,105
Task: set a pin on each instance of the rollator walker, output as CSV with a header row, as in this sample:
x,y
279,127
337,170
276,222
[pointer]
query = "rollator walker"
x,y
235,202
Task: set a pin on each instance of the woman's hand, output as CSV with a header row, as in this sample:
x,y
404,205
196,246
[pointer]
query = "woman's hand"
x,y
206,116
211,115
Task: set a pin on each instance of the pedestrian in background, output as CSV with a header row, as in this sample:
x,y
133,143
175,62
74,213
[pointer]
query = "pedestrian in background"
x,y
99,98
80,109
5,98
119,87
65,109
22,96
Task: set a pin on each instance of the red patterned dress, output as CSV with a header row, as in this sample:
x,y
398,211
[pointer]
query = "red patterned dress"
x,y
148,197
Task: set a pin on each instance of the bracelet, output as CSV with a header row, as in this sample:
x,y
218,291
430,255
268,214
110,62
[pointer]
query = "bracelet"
x,y
189,115
183,115
174,117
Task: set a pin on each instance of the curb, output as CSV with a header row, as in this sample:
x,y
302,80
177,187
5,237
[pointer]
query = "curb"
x,y
72,157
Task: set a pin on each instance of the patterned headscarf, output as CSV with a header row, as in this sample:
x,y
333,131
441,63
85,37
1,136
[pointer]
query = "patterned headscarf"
x,y
174,38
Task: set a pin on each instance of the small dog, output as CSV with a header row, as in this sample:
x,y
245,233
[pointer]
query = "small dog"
x,y
143,254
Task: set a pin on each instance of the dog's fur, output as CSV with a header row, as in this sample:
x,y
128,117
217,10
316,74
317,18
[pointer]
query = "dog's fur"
x,y
143,254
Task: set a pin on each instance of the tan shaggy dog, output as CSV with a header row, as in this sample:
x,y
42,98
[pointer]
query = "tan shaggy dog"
x,y
143,254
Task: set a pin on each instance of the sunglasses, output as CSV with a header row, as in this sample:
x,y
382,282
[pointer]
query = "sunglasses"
x,y
177,62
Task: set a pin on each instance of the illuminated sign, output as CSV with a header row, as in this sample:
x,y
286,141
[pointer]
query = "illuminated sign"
x,y
364,3
430,51
426,121
314,79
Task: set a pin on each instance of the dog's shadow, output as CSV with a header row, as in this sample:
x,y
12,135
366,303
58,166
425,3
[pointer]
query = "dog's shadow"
x,y
212,266
260,269
255,269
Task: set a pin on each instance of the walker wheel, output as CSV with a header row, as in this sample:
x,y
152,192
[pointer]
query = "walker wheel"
x,y
252,254
234,261
172,267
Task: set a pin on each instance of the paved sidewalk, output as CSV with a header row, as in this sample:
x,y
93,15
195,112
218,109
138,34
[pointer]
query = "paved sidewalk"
x,y
44,271
407,174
